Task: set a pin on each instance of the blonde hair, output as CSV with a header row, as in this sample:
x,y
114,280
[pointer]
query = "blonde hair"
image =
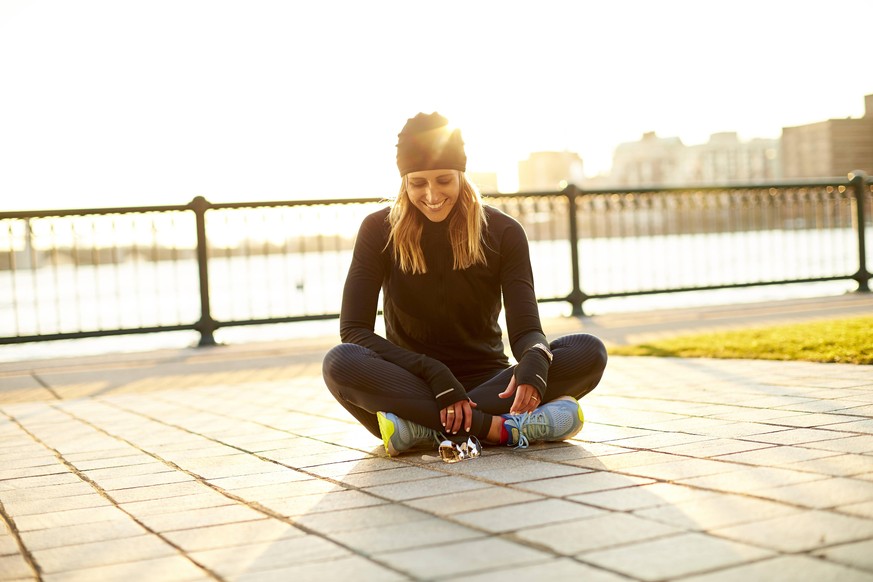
x,y
466,228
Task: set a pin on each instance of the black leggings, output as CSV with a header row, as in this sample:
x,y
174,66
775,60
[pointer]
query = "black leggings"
x,y
364,383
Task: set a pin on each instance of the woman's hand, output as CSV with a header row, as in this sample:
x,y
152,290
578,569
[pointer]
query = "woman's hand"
x,y
457,415
527,398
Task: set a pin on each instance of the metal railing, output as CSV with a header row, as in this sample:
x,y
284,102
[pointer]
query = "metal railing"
x,y
203,266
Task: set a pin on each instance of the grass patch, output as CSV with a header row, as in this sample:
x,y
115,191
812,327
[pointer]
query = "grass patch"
x,y
844,341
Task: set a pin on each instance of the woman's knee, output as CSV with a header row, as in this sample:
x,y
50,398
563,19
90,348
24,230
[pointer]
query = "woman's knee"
x,y
340,359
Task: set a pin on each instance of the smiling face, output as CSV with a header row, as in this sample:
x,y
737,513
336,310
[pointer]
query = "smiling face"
x,y
434,192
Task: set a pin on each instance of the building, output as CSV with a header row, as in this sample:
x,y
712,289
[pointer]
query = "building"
x,y
829,148
660,162
651,161
549,171
724,159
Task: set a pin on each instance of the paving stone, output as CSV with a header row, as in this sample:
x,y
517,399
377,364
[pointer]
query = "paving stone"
x,y
600,531
673,557
474,500
715,512
235,466
862,426
798,436
856,555
259,556
163,478
106,454
837,465
571,450
776,456
287,490
360,518
199,517
15,567
425,488
619,462
642,496
851,444
8,545
337,470
233,534
165,569
111,462
309,504
351,568
478,556
399,475
584,483
556,570
859,509
54,504
19,472
750,479
305,461
714,448
800,532
281,476
794,568
38,482
389,538
681,469
822,494
92,515
174,504
81,534
660,440
102,553
526,515
137,470
167,491
524,470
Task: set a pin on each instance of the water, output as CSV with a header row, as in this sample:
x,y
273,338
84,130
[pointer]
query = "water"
x,y
141,293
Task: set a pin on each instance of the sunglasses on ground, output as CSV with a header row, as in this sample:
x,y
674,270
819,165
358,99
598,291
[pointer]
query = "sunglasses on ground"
x,y
452,452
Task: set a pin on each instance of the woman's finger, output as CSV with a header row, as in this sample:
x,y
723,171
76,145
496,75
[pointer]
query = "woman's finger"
x,y
510,388
468,415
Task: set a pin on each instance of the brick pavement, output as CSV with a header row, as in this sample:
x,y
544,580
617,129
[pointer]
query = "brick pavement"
x,y
234,463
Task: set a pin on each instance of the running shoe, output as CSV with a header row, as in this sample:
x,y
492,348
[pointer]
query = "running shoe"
x,y
557,420
400,435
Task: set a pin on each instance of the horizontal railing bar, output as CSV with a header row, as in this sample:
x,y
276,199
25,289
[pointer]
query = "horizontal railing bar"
x,y
20,339
672,290
91,211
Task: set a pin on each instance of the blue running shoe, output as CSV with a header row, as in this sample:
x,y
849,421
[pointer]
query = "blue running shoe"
x,y
401,435
557,420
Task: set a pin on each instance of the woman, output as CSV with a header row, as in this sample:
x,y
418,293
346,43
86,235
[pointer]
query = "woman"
x,y
442,260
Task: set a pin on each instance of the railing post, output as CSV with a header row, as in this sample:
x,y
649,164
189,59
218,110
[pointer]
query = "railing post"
x,y
206,326
858,185
576,296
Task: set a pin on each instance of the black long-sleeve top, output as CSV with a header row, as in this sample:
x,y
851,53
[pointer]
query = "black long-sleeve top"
x,y
442,326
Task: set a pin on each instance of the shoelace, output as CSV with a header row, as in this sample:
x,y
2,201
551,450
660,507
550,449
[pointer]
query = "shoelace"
x,y
420,433
528,421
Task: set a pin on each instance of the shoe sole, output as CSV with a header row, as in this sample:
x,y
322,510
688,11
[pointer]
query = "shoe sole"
x,y
386,428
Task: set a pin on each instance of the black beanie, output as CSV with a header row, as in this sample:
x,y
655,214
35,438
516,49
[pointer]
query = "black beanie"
x,y
426,143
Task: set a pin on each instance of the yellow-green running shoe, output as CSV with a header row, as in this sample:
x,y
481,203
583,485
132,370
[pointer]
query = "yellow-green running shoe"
x,y
400,435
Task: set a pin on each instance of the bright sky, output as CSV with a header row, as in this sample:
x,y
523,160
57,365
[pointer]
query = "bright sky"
x,y
134,102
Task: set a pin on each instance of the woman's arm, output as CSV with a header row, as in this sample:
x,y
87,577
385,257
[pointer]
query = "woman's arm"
x,y
358,313
526,337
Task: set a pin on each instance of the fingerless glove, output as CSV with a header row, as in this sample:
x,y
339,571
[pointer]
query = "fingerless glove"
x,y
533,369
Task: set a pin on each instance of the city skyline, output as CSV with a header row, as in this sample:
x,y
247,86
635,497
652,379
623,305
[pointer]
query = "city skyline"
x,y
137,103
